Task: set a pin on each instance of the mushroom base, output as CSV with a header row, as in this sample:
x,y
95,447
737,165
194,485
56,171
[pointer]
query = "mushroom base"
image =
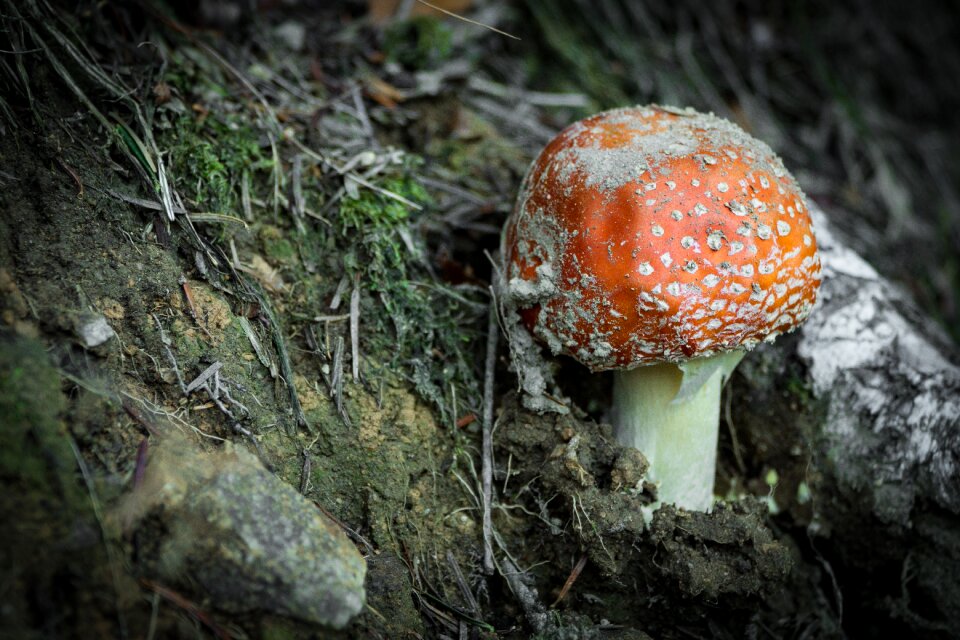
x,y
676,432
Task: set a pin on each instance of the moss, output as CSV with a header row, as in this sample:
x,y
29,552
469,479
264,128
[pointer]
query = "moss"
x,y
799,389
426,328
374,211
33,450
210,145
276,246
208,159
51,553
422,42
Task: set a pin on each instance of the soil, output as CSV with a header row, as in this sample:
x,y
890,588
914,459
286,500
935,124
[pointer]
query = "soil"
x,y
386,445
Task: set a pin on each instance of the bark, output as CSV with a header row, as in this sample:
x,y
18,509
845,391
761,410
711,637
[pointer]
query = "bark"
x,y
889,446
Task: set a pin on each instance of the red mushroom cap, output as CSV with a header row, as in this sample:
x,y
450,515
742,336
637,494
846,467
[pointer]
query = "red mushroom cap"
x,y
651,234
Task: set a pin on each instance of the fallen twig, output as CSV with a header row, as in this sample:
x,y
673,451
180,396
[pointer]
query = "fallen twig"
x,y
529,600
493,333
202,378
462,583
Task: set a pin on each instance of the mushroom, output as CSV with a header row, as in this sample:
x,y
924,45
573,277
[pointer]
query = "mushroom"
x,y
662,244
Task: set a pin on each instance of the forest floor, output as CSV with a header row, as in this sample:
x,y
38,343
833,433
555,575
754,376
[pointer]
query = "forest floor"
x,y
277,229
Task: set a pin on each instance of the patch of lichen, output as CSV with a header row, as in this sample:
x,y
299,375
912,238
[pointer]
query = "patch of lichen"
x,y
209,331
390,435
386,471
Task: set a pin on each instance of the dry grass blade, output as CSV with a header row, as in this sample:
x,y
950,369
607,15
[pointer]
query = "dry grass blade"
x,y
355,330
286,368
459,17
493,333
574,574
165,197
140,202
298,206
217,218
188,606
257,346
462,583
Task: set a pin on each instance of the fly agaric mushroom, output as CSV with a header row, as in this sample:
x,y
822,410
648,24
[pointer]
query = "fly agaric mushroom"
x,y
662,244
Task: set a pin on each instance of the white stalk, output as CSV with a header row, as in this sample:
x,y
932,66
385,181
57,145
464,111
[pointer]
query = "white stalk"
x,y
671,414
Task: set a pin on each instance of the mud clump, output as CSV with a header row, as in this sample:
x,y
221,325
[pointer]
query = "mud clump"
x,y
728,551
589,492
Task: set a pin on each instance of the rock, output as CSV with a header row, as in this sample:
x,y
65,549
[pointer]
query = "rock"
x,y
92,330
218,524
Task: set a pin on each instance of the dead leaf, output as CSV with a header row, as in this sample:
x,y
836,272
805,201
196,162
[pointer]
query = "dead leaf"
x,y
265,274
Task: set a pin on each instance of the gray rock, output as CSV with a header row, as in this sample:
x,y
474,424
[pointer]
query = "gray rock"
x,y
222,527
93,330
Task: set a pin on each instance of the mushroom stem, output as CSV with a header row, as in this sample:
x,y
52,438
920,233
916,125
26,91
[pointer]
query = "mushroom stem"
x,y
671,414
